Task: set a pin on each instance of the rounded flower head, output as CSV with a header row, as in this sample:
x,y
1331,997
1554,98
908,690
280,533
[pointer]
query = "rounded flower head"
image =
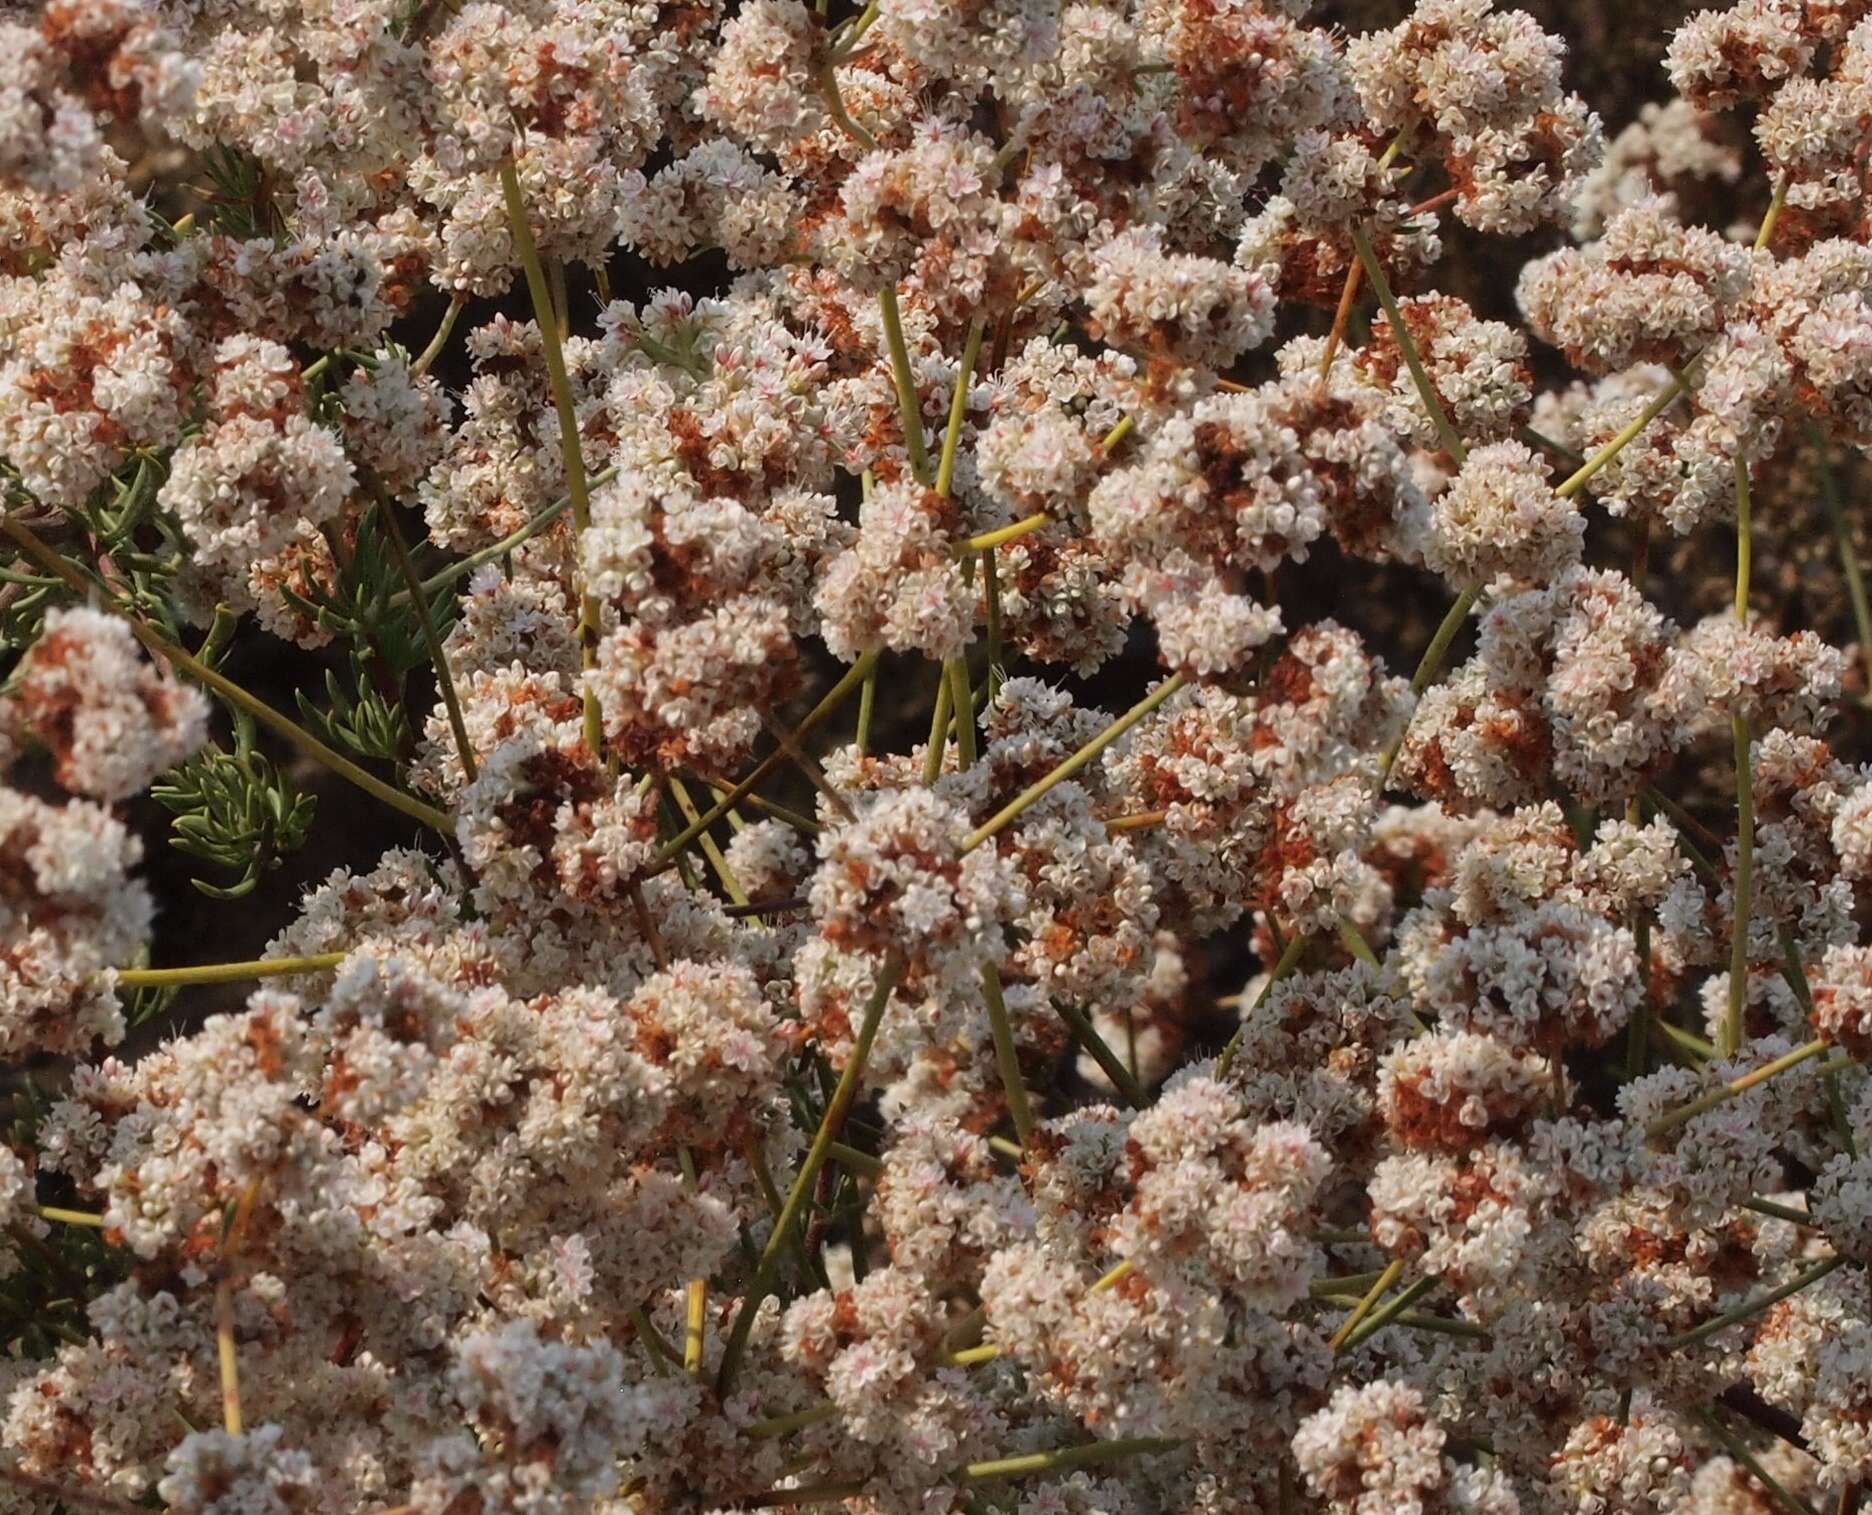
x,y
896,882
1500,516
110,718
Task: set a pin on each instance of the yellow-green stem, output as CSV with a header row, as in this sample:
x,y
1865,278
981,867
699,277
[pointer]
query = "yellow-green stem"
x,y
1407,345
1429,666
1095,1047
1848,553
938,744
225,973
1284,965
1729,1040
909,407
1660,402
958,408
570,451
1734,1088
1075,763
730,884
1002,535
1381,1286
1065,1459
833,698
961,709
1753,1307
432,639
843,1097
1006,1058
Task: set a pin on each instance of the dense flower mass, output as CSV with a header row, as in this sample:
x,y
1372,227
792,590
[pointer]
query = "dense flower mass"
x,y
982,757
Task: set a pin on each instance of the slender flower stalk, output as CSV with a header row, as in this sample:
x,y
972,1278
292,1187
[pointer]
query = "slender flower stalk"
x,y
835,105
837,1108
1407,345
908,405
1073,764
265,714
1835,501
226,973
1006,1057
1738,1086
1002,535
861,1163
958,407
69,1217
512,542
695,1325
833,698
1390,1311
1381,1286
1430,666
1729,1037
1085,1034
1284,965
799,1420
1066,1459
731,885
1348,294
1659,403
1750,1308
570,450
440,339
432,639
1738,1449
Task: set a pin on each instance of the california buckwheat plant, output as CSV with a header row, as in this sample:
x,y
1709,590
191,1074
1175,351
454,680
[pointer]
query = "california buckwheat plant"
x,y
934,757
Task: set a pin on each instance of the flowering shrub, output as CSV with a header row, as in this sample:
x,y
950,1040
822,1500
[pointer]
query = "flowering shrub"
x,y
822,728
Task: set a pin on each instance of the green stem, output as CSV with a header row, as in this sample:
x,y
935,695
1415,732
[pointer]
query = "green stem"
x,y
570,452
834,697
1381,287
432,639
938,745
1734,1088
514,540
958,408
1775,206
1006,1058
1848,554
1753,1307
835,103
962,709
226,973
1066,1459
1736,1448
1094,1045
69,1217
1381,1285
843,1097
867,704
1660,402
1290,955
440,339
799,1420
855,1161
1778,1212
991,588
1391,1310
730,884
1430,665
908,405
1073,764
